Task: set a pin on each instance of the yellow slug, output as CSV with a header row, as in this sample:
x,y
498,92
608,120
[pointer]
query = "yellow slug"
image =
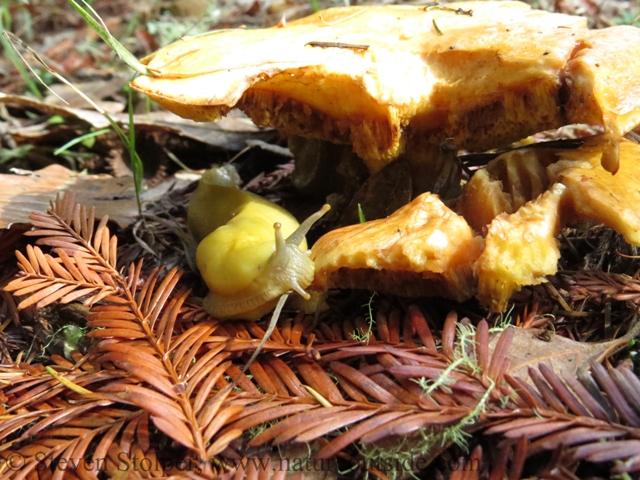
x,y
243,256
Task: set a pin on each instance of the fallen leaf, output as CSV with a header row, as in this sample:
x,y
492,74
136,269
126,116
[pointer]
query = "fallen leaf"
x,y
381,195
564,355
24,192
230,133
97,90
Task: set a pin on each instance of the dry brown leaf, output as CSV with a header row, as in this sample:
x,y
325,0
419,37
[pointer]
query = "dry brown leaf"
x,y
230,133
22,194
96,89
564,355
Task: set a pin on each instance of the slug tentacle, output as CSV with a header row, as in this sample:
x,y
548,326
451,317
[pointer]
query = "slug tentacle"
x,y
243,256
296,237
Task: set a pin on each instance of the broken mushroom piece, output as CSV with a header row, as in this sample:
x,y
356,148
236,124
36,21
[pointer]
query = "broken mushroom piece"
x,y
521,248
505,185
424,248
394,79
595,194
605,88
483,200
512,201
519,176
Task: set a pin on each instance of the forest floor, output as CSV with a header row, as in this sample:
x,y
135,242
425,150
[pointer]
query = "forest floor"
x,y
52,140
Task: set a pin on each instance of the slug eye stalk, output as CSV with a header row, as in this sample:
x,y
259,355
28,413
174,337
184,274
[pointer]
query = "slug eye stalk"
x,y
296,237
291,266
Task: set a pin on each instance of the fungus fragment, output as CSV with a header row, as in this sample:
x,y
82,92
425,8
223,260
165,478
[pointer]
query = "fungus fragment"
x,y
521,248
424,248
595,194
505,184
504,201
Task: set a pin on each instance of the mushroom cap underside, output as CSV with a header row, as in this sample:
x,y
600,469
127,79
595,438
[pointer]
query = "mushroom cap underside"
x,y
384,78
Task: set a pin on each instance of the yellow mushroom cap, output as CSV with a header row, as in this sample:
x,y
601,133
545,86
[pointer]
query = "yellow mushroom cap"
x,y
389,79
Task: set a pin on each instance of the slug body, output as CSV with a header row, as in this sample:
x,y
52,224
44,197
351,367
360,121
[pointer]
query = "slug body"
x,y
243,255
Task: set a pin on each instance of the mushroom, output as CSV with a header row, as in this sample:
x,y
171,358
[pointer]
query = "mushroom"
x,y
523,198
392,80
402,81
521,248
520,202
424,248
517,177
596,195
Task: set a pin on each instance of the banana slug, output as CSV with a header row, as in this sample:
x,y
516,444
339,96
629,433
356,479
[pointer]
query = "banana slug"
x,y
251,251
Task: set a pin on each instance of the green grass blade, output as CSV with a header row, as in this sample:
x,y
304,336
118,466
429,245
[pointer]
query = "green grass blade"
x,y
361,216
126,139
80,139
7,154
100,28
5,22
136,161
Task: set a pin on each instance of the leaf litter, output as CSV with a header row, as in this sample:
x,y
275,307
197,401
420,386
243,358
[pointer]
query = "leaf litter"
x,y
473,404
